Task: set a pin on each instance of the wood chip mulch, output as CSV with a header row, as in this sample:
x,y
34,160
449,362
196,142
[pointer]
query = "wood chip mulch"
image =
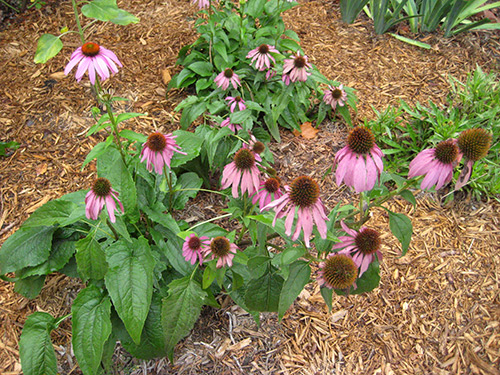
x,y
437,310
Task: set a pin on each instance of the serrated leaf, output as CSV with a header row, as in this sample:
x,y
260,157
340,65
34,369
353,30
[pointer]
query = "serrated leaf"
x,y
35,347
61,253
91,258
402,228
91,312
30,287
26,247
190,182
263,293
51,213
129,281
190,144
180,310
298,277
48,46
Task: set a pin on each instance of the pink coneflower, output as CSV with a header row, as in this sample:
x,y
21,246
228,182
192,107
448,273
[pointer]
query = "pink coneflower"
x,y
256,146
296,68
194,248
158,151
270,74
223,250
93,58
474,144
338,271
101,194
335,95
227,77
268,191
243,168
202,3
263,57
286,79
359,164
303,193
236,101
436,164
361,246
233,127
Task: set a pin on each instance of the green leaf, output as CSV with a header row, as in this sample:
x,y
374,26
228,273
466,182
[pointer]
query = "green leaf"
x,y
190,144
180,311
6,145
202,68
129,281
263,293
91,327
97,150
289,44
26,247
35,347
402,228
327,295
367,282
240,116
189,181
61,253
91,258
191,113
51,213
48,46
127,116
172,249
124,18
299,276
408,195
107,10
30,287
411,41
133,136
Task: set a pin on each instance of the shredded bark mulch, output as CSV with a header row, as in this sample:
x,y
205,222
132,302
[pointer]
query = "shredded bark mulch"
x,y
437,310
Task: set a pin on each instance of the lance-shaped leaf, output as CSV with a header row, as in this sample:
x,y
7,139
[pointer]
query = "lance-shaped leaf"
x,y
35,348
91,258
130,282
263,294
297,279
91,327
180,310
402,228
48,46
107,10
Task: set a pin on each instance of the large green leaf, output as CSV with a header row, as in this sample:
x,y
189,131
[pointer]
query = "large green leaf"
x,y
26,247
130,282
35,348
186,187
190,144
61,253
51,213
107,10
91,327
402,228
263,294
300,273
91,258
180,310
48,46
30,286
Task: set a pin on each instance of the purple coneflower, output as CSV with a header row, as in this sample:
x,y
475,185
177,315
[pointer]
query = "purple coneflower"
x,y
93,58
296,68
243,168
359,163
227,77
236,101
194,247
268,191
335,95
233,127
101,194
223,250
337,271
361,246
303,193
202,3
263,56
474,144
158,151
285,78
270,73
436,164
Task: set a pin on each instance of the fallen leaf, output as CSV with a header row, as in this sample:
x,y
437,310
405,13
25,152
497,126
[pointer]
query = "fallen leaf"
x,y
306,130
41,169
165,75
57,75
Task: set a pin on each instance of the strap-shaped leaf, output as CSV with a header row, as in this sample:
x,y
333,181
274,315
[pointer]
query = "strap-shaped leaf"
x,y
91,327
180,310
35,348
130,282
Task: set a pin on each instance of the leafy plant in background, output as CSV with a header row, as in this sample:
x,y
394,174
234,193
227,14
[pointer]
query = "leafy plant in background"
x,y
8,145
248,43
386,14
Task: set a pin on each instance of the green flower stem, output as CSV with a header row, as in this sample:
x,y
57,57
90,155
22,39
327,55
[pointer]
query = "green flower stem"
x,y
61,319
249,90
115,233
168,177
209,220
241,234
114,127
194,271
194,189
77,19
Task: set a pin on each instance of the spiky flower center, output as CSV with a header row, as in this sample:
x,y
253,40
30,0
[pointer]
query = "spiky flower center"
x,y
336,93
238,99
263,49
101,187
304,191
299,62
446,151
220,246
367,241
340,271
90,49
194,243
258,147
272,184
156,142
244,159
228,73
360,140
474,143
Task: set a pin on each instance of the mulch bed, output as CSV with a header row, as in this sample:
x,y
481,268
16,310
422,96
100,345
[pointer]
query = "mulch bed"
x,y
437,310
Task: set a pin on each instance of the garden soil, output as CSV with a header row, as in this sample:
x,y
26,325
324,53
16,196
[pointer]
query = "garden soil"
x,y
437,310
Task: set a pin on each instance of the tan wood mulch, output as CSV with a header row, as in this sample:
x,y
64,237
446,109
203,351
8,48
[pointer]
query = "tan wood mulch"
x,y
437,310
